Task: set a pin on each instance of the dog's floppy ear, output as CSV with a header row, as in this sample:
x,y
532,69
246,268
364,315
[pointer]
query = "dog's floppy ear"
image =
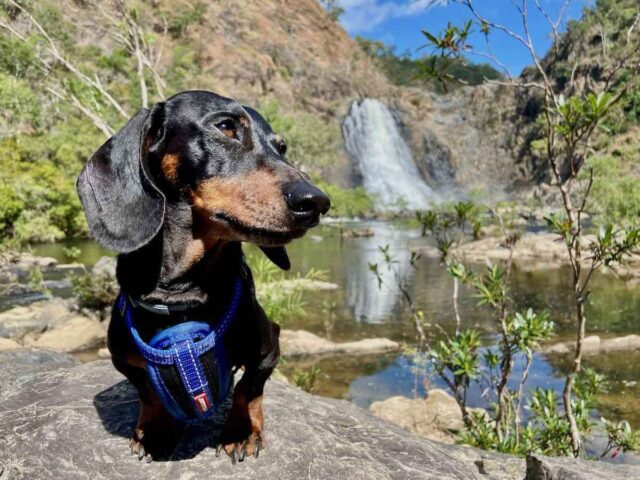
x,y
278,255
123,206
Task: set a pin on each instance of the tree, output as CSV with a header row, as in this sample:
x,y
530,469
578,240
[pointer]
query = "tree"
x,y
570,115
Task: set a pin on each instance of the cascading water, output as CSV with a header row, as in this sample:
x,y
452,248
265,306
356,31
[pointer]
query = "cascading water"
x,y
383,159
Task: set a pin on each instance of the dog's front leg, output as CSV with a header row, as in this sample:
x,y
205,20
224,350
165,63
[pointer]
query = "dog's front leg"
x,y
243,432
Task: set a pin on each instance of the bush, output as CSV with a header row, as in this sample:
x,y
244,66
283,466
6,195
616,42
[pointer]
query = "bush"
x,y
312,142
94,292
348,202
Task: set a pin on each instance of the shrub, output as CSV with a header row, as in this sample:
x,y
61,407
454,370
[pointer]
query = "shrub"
x,y
94,292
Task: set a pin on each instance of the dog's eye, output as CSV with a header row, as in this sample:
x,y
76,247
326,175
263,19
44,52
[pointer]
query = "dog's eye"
x,y
228,128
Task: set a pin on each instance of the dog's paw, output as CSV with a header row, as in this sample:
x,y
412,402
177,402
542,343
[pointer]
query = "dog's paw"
x,y
137,448
240,449
154,444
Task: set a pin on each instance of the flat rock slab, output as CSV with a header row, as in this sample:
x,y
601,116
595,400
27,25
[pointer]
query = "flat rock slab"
x,y
73,422
300,343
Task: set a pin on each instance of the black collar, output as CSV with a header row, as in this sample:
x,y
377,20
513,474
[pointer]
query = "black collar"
x,y
160,308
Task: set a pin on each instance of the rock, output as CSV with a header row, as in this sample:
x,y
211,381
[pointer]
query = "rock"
x,y
104,353
433,417
302,284
7,344
76,334
34,318
105,266
594,345
57,284
19,366
74,421
534,251
27,261
300,343
356,233
547,468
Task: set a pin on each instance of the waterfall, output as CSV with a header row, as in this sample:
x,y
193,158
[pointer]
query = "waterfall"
x,y
382,158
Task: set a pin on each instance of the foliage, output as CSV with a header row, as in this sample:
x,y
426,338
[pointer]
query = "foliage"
x,y
404,70
280,297
333,8
94,292
181,18
306,379
348,202
615,193
312,142
565,129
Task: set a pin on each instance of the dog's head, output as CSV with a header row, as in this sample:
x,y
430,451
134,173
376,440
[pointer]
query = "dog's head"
x,y
217,156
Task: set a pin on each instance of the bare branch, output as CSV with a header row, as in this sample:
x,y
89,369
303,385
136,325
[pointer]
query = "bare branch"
x,y
55,52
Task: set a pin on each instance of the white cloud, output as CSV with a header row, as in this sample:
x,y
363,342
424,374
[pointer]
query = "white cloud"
x,y
364,15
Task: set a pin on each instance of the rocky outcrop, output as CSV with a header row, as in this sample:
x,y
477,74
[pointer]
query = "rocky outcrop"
x,y
433,417
594,345
533,251
64,421
8,344
36,318
300,343
52,324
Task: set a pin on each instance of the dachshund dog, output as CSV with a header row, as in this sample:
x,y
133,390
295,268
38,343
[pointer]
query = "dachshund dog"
x,y
175,192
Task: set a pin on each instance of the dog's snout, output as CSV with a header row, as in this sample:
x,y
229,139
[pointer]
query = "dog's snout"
x,y
306,203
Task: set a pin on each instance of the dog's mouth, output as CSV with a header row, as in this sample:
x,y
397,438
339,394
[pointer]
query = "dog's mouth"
x,y
259,235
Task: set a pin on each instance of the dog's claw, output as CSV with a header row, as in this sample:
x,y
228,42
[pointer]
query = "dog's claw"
x,y
141,453
256,448
234,456
218,449
243,452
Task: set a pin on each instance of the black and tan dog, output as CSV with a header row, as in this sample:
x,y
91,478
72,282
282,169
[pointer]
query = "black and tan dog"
x,y
175,192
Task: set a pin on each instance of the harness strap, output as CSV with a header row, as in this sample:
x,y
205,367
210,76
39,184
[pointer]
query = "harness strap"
x,y
181,347
166,357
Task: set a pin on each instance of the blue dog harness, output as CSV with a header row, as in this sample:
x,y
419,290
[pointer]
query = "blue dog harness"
x,y
187,363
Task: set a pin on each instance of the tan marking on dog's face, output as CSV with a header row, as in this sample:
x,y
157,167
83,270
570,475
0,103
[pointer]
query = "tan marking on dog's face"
x,y
254,201
169,166
244,121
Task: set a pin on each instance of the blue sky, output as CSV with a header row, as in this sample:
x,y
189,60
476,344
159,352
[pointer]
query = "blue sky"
x,y
398,22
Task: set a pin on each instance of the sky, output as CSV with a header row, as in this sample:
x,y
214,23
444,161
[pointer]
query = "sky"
x,y
399,23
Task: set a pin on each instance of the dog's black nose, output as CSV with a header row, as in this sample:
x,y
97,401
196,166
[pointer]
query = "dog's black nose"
x,y
306,203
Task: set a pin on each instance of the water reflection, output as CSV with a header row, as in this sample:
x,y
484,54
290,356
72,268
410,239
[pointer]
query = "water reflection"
x,y
368,301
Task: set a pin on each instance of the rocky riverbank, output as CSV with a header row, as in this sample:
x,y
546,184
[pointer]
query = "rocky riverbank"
x,y
61,420
532,252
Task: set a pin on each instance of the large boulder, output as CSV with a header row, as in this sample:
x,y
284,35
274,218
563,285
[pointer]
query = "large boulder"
x,y
52,324
36,318
433,417
75,335
73,422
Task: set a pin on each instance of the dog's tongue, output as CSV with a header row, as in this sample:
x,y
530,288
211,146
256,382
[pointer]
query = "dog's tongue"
x,y
278,255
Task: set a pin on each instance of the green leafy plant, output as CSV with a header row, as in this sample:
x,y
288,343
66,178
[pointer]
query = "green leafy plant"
x,y
306,379
93,292
566,127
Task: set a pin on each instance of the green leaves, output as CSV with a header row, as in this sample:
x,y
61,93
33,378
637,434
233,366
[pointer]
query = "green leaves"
x,y
528,329
614,245
575,115
458,356
621,438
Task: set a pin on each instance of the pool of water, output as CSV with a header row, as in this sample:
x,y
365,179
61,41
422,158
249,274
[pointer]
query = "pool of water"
x,y
359,308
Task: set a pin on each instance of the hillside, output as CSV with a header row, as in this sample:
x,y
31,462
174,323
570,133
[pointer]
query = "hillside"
x,y
290,59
